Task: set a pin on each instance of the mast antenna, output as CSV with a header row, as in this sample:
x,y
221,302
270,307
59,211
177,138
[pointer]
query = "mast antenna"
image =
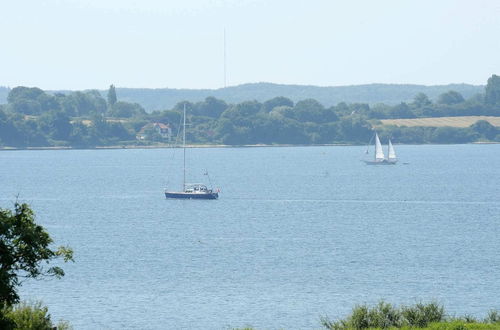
x,y
184,150
224,57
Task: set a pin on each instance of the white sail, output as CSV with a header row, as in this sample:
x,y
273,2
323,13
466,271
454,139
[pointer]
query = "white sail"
x,y
379,153
392,152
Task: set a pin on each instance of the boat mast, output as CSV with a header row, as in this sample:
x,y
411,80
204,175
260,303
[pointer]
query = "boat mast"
x,y
389,149
184,149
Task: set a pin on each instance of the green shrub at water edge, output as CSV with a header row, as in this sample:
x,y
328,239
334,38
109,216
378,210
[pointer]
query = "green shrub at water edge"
x,y
493,317
383,315
32,316
420,315
28,316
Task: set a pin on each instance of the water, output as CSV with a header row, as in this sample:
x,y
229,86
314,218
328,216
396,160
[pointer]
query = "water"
x,y
298,233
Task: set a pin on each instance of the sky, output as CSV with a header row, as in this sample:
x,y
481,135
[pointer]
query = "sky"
x,y
90,44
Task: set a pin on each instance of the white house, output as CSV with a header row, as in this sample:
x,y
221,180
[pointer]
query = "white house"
x,y
163,129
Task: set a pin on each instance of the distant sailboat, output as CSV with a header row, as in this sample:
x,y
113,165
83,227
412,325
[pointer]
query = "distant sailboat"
x,y
193,190
392,154
380,156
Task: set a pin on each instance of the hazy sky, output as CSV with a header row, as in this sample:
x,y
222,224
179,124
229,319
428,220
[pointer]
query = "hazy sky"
x,y
82,44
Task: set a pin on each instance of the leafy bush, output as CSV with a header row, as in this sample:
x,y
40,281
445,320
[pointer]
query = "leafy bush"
x,y
32,316
420,314
385,315
493,317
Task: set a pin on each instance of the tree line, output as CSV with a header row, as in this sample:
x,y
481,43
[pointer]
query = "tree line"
x,y
34,118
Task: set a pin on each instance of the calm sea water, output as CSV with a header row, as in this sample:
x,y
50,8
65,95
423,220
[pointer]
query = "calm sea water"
x,y
298,233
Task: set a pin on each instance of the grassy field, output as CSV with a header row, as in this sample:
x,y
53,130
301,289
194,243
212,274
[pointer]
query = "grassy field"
x,y
465,121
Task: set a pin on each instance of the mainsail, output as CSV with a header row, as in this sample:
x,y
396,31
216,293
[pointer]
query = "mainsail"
x,y
379,153
392,152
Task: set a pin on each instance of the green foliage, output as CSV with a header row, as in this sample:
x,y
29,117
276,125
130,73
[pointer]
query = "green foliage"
x,y
492,95
420,315
87,103
461,325
55,124
166,98
493,316
448,134
111,96
122,109
31,316
401,110
312,111
31,101
34,118
24,93
211,107
450,97
384,316
26,316
279,101
355,129
24,251
423,316
485,129
421,100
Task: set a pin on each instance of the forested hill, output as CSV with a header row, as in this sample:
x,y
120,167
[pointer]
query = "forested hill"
x,y
4,91
166,98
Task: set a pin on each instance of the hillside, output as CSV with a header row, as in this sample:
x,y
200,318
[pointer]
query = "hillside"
x,y
462,121
157,99
4,91
166,98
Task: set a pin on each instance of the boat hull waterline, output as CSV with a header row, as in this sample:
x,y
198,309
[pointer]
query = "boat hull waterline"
x,y
188,195
383,162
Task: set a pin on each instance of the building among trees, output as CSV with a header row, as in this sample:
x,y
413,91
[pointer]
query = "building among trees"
x,y
155,132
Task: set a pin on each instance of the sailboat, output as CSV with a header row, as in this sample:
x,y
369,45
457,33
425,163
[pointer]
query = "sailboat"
x,y
380,158
190,190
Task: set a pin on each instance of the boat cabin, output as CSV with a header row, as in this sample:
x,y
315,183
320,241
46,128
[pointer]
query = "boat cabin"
x,y
196,188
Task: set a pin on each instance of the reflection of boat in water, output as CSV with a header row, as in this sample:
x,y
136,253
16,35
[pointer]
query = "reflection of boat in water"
x,y
191,190
380,158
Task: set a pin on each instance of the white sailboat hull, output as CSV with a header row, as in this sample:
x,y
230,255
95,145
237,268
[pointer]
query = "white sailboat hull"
x,y
381,162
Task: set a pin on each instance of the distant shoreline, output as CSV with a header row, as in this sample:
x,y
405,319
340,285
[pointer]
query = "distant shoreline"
x,y
190,146
196,146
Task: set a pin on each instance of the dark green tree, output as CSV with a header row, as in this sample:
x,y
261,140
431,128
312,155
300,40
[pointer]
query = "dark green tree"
x,y
421,100
247,108
450,97
55,124
310,110
485,129
111,96
25,252
25,107
24,93
211,107
279,101
126,110
87,103
493,90
401,110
